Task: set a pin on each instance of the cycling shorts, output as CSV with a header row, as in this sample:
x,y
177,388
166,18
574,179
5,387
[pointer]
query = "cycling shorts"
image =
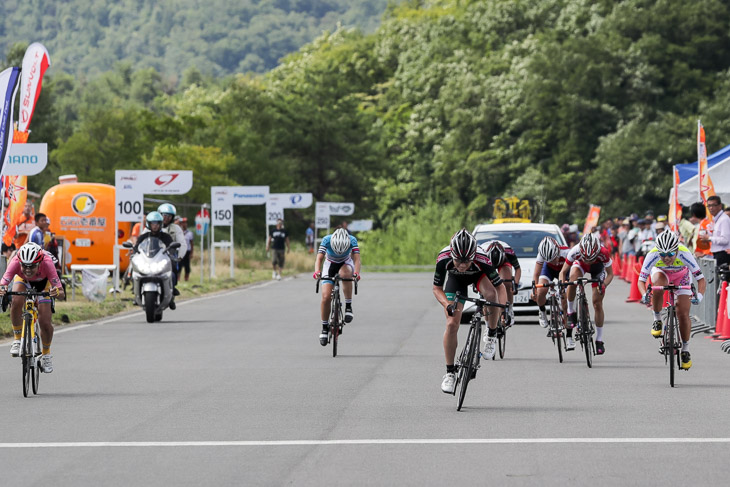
x,y
680,278
549,273
331,269
38,286
596,270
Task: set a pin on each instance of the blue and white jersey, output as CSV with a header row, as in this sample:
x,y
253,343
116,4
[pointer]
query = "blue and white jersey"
x,y
326,248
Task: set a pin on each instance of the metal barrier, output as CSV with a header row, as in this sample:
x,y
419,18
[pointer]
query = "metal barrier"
x,y
704,315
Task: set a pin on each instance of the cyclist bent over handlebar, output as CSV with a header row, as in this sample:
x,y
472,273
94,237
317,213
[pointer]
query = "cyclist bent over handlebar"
x,y
341,255
465,265
33,268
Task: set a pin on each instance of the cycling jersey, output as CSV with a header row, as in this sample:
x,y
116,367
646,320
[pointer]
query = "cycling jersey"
x,y
480,266
574,258
683,260
326,248
510,258
46,270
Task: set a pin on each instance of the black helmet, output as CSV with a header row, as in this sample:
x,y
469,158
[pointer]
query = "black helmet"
x,y
495,251
463,245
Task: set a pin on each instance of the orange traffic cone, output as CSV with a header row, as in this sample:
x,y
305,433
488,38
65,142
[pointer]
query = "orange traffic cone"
x,y
617,269
635,294
722,326
627,268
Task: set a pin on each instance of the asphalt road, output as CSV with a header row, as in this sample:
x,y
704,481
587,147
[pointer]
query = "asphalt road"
x,y
236,390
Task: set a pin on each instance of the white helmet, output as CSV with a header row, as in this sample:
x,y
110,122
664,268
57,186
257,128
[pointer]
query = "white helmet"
x,y
590,246
340,241
548,250
30,254
667,241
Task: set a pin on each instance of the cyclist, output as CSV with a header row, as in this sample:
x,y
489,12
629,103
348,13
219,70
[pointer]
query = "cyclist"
x,y
550,259
341,255
503,257
33,268
466,265
591,257
671,263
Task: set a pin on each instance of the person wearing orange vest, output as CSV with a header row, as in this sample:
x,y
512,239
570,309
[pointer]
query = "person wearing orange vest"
x,y
703,224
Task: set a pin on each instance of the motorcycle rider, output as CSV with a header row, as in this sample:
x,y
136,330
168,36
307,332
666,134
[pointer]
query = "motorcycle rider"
x,y
168,212
153,226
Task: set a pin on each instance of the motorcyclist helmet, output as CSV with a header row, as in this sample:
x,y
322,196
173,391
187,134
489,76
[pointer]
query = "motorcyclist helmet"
x,y
167,209
153,217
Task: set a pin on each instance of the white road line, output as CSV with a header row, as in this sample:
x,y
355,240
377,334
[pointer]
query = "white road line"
x,y
405,441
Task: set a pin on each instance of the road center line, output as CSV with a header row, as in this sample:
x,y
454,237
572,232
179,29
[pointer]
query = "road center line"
x,y
404,441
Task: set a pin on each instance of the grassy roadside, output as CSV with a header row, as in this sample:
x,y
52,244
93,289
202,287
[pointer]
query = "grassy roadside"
x,y
250,266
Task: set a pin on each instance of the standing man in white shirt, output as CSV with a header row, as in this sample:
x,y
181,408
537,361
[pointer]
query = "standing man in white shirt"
x,y
720,239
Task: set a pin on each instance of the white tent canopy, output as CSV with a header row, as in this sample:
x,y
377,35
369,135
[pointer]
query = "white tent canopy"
x,y
689,188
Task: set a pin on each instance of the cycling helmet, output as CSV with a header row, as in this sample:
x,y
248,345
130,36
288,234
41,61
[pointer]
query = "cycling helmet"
x,y
153,217
167,209
463,245
340,241
548,250
667,241
30,254
590,246
495,251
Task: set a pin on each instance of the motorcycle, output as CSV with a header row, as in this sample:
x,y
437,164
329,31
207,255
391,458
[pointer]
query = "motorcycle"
x,y
152,276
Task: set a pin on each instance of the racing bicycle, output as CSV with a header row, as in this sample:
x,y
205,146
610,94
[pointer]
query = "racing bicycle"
x,y
30,340
556,327
468,362
671,340
585,325
337,316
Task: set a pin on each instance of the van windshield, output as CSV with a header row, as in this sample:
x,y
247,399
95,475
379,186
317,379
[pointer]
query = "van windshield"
x,y
524,242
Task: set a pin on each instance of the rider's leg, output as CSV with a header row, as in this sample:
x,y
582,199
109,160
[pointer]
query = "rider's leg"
x,y
575,273
325,306
347,273
685,324
488,291
451,334
16,310
657,298
44,319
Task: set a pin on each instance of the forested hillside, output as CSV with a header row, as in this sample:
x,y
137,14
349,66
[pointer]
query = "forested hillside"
x,y
218,37
447,105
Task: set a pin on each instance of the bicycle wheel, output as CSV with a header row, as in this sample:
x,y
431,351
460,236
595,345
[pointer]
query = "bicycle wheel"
x,y
26,351
502,338
466,368
335,323
36,376
586,335
671,345
555,329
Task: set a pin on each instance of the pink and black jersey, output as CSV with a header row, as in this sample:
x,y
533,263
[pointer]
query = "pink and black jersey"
x,y
46,270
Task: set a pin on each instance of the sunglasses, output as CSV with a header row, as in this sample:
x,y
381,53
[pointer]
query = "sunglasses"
x,y
667,254
463,261
29,267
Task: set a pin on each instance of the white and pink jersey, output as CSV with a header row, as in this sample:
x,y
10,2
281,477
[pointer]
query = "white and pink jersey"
x,y
574,258
563,255
46,270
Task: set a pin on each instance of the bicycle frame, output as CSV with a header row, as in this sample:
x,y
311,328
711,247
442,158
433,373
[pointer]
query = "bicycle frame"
x,y
557,326
585,325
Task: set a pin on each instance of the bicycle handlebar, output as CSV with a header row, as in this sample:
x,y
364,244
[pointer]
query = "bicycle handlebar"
x,y
478,301
336,278
29,294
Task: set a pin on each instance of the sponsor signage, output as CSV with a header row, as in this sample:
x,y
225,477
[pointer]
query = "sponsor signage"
x,y
26,159
277,202
274,211
343,209
131,186
322,216
360,225
223,198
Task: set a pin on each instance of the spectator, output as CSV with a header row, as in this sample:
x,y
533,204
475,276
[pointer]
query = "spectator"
x,y
573,235
41,235
719,238
623,237
687,229
189,238
278,239
660,227
699,218
344,226
565,229
309,238
646,233
25,226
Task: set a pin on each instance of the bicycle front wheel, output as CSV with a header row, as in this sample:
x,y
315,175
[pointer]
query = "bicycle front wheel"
x,y
26,351
585,328
465,371
502,340
671,345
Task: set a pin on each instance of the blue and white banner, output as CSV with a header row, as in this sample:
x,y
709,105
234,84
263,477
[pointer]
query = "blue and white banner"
x,y
8,89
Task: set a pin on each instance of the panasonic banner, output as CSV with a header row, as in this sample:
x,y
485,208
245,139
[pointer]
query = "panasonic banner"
x,y
222,201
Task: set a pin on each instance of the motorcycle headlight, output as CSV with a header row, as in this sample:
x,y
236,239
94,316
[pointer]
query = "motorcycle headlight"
x,y
141,266
161,266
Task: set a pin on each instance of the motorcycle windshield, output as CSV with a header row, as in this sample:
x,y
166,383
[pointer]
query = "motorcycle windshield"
x,y
151,246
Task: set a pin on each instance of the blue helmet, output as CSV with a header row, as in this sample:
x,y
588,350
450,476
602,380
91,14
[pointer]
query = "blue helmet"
x,y
167,209
153,217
